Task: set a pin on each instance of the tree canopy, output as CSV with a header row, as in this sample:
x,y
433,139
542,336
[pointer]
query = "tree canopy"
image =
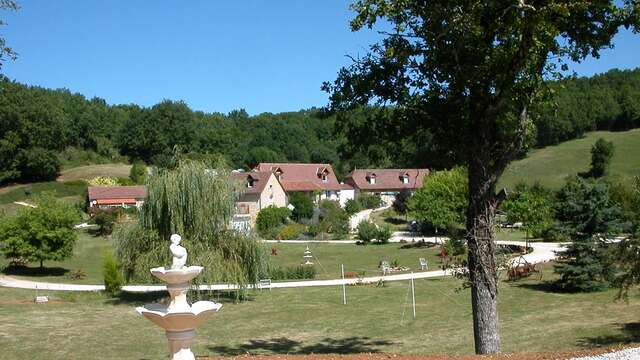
x,y
601,154
42,233
589,216
467,75
442,200
197,202
80,130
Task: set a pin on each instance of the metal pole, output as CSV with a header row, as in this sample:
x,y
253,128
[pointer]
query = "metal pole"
x,y
344,286
413,296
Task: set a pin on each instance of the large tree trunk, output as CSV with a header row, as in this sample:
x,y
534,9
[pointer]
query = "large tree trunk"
x,y
482,263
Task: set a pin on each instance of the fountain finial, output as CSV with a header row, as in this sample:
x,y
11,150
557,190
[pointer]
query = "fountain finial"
x,y
179,253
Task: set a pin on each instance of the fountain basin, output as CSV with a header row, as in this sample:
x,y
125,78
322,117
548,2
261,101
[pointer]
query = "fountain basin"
x,y
176,276
179,321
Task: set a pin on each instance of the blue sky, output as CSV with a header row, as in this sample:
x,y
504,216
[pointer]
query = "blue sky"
x,y
263,56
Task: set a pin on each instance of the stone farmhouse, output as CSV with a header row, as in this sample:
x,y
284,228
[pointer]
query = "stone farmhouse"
x,y
386,182
261,189
316,180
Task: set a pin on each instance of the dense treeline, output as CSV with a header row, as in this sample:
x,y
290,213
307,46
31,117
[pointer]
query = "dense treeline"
x,y
42,129
610,101
57,126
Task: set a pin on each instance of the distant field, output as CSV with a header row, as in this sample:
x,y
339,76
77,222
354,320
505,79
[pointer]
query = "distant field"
x,y
551,165
89,172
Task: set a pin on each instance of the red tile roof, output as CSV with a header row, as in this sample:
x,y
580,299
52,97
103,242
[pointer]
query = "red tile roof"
x,y
260,179
302,177
387,179
116,192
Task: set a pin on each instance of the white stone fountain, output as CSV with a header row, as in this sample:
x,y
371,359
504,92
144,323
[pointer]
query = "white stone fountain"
x,y
179,319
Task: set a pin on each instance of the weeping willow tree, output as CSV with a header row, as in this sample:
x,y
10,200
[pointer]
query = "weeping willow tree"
x,y
196,202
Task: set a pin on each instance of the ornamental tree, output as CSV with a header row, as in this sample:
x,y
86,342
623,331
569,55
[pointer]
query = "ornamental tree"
x,y
532,207
44,232
442,200
468,73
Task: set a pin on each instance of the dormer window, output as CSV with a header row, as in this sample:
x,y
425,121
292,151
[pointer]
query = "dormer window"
x,y
323,174
250,182
371,178
405,179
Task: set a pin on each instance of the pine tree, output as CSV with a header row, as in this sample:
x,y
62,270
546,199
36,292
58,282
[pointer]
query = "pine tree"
x,y
589,216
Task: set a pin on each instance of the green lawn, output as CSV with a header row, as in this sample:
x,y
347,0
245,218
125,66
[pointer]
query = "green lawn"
x,y
88,257
309,320
89,252
551,165
358,258
62,189
390,217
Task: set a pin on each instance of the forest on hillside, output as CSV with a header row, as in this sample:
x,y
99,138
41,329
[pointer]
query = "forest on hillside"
x,y
43,129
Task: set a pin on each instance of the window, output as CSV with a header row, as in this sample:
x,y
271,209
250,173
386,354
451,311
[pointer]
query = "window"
x,y
405,179
372,180
324,178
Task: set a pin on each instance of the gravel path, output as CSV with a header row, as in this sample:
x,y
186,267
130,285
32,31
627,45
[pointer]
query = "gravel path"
x,y
628,354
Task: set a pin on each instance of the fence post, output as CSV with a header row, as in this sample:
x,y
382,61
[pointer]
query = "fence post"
x,y
344,286
413,295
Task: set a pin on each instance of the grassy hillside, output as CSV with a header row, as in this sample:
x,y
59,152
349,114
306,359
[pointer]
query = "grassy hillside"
x,y
89,172
71,184
551,165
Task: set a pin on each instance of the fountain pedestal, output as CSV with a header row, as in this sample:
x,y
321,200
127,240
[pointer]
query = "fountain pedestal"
x,y
179,319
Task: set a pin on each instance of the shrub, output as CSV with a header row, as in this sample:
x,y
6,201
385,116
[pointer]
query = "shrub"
x,y
113,278
125,181
352,206
384,234
302,206
38,164
367,231
601,154
333,218
290,232
299,272
369,201
138,173
270,218
105,218
400,202
103,181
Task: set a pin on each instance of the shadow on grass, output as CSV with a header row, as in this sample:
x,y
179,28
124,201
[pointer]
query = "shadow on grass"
x,y
628,333
162,297
130,298
350,345
418,245
22,270
394,220
544,286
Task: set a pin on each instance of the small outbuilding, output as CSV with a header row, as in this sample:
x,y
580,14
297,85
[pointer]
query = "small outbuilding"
x,y
105,197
